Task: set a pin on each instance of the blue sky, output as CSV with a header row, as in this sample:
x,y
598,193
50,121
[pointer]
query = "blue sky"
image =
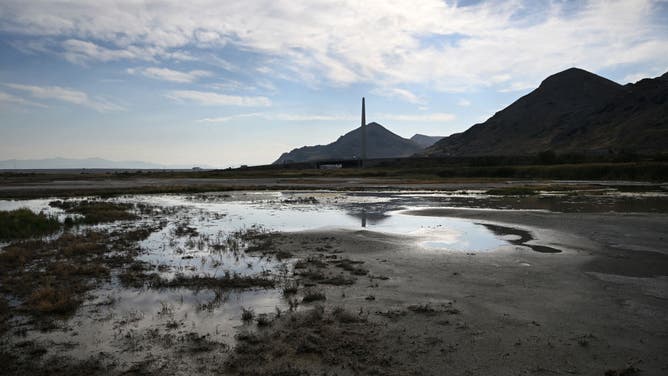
x,y
224,83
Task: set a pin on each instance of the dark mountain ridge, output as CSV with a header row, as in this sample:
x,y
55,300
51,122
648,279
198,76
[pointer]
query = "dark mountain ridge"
x,y
573,111
381,143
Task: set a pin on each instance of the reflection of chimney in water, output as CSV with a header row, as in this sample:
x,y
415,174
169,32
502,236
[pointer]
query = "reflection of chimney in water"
x,y
363,218
363,155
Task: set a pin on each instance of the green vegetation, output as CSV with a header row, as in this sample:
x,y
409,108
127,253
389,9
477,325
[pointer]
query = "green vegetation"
x,y
23,223
95,212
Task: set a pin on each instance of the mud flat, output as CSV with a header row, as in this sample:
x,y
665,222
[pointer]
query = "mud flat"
x,y
276,283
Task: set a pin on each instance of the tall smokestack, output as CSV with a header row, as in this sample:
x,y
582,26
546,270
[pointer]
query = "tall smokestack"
x,y
363,133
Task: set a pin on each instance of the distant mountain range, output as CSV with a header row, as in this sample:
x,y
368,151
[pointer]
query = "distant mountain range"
x,y
573,111
381,143
88,163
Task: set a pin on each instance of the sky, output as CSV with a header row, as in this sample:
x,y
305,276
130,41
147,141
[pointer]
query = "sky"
x,y
223,83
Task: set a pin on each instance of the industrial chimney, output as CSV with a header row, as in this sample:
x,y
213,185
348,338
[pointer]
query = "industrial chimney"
x,y
363,157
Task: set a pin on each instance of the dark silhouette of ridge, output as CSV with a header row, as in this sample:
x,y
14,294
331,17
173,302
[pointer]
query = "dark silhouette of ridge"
x,y
381,143
573,111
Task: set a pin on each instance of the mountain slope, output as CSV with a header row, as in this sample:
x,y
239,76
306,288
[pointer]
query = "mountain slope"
x,y
573,111
381,143
425,141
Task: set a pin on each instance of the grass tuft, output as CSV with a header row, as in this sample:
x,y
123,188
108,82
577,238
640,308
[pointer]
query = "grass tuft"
x,y
23,223
95,212
312,295
52,300
247,314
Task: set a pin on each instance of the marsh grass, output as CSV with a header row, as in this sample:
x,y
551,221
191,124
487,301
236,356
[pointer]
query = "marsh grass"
x,y
247,314
297,342
312,295
290,288
229,280
95,212
512,191
52,277
263,320
4,314
52,300
23,223
351,266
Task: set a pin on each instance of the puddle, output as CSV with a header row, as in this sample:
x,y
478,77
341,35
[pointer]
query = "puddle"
x,y
519,237
146,323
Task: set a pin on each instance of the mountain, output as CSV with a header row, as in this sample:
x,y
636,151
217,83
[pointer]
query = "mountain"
x,y
381,143
573,111
425,141
89,163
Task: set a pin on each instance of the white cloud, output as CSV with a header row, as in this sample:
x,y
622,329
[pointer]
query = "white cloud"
x,y
402,94
66,95
166,74
385,43
79,51
279,116
463,103
216,99
519,86
650,73
13,99
224,119
432,117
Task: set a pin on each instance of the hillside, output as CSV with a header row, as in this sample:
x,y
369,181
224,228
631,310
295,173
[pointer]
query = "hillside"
x,y
573,111
381,143
425,141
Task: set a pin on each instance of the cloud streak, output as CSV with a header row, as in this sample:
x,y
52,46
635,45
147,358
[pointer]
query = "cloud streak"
x,y
65,95
13,99
166,74
209,98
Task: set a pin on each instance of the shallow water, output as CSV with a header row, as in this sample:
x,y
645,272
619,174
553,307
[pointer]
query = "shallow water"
x,y
199,235
379,214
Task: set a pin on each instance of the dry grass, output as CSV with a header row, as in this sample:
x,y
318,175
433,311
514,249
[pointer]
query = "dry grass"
x,y
232,281
52,277
351,266
312,295
316,341
52,300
